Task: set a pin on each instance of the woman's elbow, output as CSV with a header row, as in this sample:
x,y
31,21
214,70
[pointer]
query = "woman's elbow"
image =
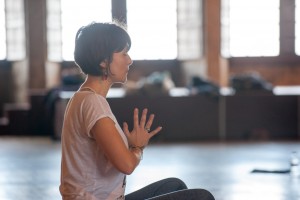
x,y
127,168
126,164
128,172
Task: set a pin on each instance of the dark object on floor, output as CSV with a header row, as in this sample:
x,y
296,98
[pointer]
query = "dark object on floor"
x,y
281,171
250,82
201,86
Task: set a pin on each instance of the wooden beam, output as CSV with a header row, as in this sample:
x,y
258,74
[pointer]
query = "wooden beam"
x,y
35,16
216,67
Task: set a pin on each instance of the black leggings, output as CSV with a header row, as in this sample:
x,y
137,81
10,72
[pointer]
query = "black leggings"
x,y
169,189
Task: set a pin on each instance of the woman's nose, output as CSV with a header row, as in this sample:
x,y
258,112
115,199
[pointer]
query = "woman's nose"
x,y
129,60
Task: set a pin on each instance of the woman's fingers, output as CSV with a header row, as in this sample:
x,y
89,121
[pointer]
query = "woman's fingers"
x,y
143,118
136,121
155,131
141,132
136,118
149,122
143,123
125,128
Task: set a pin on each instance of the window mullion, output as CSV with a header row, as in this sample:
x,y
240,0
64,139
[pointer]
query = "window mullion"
x,y
118,9
287,27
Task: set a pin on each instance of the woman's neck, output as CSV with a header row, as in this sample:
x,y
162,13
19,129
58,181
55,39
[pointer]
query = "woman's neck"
x,y
97,84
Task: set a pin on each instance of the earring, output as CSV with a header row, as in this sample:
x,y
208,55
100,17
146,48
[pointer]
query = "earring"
x,y
105,74
104,70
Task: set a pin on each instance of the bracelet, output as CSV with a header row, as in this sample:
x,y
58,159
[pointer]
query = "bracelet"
x,y
139,148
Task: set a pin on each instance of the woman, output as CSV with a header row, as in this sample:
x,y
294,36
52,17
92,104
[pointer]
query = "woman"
x,y
97,153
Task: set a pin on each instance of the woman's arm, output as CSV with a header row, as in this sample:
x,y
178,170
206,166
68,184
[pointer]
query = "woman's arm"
x,y
113,146
107,136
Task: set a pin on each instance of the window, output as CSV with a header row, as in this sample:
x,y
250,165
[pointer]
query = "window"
x,y
189,26
2,31
250,28
12,33
15,30
54,39
158,29
152,26
76,14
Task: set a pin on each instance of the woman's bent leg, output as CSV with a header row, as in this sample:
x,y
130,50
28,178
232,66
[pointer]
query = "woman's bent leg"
x,y
189,194
161,187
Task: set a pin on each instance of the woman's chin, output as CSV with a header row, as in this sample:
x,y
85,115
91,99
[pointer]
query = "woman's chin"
x,y
122,81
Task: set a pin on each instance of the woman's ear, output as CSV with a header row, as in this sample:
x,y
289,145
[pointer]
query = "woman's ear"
x,y
104,67
103,64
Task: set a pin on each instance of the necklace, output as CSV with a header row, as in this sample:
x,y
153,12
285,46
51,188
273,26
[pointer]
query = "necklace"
x,y
88,88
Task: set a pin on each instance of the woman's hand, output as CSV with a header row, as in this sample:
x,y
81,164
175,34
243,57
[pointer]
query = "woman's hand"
x,y
140,135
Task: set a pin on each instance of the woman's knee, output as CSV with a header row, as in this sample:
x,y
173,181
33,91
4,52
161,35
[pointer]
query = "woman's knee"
x,y
200,194
176,183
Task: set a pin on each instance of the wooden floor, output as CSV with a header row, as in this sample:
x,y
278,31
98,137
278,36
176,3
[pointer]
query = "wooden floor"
x,y
30,168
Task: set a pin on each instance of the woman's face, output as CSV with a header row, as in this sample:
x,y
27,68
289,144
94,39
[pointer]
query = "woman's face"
x,y
119,66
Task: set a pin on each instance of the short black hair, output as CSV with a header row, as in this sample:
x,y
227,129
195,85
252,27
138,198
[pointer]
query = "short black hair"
x,y
96,42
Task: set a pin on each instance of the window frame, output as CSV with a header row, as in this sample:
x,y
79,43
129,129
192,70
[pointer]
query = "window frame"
x,y
287,55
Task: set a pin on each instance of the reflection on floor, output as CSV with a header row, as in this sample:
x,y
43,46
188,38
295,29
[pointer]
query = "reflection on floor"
x,y
30,168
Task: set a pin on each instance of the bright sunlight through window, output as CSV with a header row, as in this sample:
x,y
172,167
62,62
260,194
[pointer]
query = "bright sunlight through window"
x,y
79,13
152,26
2,31
253,28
